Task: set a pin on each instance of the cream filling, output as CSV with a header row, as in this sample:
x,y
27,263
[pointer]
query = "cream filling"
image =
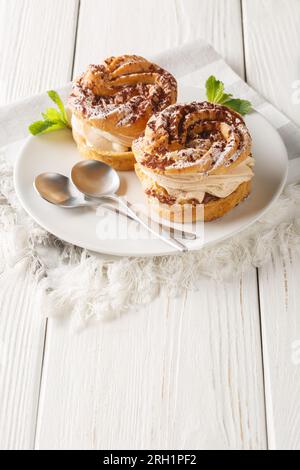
x,y
195,185
96,138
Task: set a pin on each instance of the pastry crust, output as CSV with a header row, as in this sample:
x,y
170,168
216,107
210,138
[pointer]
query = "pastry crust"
x,y
216,209
118,97
121,161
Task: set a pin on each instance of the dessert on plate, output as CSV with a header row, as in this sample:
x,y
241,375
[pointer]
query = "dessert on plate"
x,y
111,104
195,155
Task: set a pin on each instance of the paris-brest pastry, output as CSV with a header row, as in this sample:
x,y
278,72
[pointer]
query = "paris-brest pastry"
x,y
111,104
192,155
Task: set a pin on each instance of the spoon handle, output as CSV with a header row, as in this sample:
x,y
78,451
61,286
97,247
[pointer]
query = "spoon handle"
x,y
182,233
170,241
95,203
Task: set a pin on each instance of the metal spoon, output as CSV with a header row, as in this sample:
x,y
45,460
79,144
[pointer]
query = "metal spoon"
x,y
96,179
59,190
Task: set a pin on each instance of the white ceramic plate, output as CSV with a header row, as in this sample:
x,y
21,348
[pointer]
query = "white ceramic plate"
x,y
89,229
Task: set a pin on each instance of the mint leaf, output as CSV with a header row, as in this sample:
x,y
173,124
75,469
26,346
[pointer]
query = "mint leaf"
x,y
240,106
215,93
54,119
214,89
51,114
225,97
56,98
41,127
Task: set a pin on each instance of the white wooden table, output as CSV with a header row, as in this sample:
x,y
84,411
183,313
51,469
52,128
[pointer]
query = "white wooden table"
x,y
217,368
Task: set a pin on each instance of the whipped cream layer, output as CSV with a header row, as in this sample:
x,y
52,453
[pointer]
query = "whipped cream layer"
x,y
195,185
96,138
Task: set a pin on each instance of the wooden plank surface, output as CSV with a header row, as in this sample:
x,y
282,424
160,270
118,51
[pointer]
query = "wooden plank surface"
x,y
22,336
179,373
272,60
37,39
141,27
271,32
280,307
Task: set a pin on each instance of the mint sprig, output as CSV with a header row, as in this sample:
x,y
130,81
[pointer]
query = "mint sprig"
x,y
53,119
215,93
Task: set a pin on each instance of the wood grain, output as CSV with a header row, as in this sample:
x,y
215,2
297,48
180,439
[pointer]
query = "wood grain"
x,y
21,338
271,31
272,62
37,40
280,306
180,374
117,27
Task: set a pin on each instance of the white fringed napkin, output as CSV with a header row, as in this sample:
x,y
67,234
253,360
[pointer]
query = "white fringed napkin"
x,y
89,285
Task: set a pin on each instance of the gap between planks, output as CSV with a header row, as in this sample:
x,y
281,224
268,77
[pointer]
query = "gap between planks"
x,y
263,362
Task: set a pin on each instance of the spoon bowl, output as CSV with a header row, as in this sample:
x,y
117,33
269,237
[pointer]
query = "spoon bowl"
x,y
57,189
95,179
